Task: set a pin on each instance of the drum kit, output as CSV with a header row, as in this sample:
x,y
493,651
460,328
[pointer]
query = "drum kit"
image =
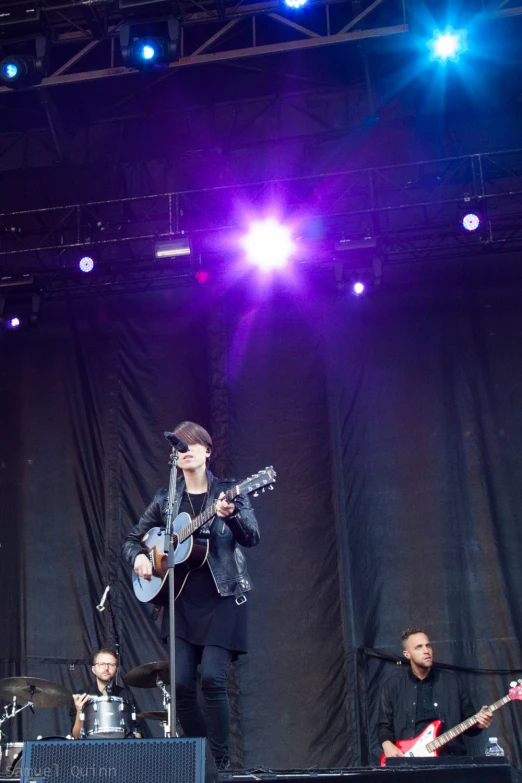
x,y
104,717
153,675
20,693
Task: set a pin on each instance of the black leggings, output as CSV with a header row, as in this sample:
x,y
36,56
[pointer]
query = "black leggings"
x,y
215,724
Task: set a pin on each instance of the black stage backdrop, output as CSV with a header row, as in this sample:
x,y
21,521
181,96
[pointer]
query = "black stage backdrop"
x,y
395,426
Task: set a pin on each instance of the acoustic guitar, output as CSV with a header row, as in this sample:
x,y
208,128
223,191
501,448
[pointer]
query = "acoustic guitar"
x,y
190,552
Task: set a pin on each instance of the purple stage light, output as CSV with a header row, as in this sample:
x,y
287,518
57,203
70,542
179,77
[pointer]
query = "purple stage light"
x,y
471,222
86,264
14,323
358,288
268,244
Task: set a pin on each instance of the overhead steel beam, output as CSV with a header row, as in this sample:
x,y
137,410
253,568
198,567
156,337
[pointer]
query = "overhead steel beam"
x,y
229,54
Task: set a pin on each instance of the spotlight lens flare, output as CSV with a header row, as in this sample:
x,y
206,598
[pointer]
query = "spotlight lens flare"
x,y
471,222
358,288
448,45
86,264
268,244
14,323
147,52
10,71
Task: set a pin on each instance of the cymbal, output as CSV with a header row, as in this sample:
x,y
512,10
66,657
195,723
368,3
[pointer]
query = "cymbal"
x,y
43,693
145,676
154,715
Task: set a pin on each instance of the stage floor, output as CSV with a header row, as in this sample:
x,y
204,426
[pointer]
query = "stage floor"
x,y
472,770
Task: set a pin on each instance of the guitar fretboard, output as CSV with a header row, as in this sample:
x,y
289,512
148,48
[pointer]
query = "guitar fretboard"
x,y
207,514
462,727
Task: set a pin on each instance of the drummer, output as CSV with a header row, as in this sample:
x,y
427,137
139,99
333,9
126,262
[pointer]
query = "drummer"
x,y
105,669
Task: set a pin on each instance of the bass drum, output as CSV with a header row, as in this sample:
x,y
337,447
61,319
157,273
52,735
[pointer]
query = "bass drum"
x,y
108,717
10,759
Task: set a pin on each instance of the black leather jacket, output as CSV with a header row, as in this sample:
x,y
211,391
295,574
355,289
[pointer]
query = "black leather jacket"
x,y
226,560
398,707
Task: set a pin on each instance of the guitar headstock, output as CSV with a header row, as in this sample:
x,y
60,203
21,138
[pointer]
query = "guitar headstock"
x,y
515,690
265,479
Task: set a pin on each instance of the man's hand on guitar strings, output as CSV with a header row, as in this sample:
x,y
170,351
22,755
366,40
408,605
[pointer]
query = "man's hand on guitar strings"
x,y
485,717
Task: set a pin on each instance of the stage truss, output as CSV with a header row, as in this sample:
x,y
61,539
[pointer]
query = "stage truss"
x,y
387,216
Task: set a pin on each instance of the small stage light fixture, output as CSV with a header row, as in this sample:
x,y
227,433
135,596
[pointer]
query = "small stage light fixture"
x,y
24,70
295,3
14,322
86,264
173,248
358,288
471,221
146,44
447,45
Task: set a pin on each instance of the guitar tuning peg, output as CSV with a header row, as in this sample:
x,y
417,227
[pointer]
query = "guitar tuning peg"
x,y
263,490
520,682
256,494
513,684
271,486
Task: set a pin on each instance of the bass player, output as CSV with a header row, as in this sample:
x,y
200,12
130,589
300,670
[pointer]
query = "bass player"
x,y
412,699
211,611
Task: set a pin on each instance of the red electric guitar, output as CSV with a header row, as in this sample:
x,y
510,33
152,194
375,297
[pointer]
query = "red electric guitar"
x,y
427,743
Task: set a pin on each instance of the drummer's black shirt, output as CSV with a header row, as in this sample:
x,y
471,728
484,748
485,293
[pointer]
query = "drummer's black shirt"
x,y
93,690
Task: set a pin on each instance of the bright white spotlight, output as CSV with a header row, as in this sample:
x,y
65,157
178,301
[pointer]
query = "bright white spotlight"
x,y
268,244
358,288
448,45
471,222
147,52
295,3
14,323
86,264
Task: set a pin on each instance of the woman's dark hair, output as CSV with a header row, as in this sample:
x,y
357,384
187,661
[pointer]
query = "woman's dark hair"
x,y
193,434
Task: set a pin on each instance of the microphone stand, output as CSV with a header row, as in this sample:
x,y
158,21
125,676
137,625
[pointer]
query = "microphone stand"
x,y
171,549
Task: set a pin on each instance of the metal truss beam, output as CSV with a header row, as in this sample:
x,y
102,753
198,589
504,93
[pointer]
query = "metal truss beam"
x,y
410,212
260,28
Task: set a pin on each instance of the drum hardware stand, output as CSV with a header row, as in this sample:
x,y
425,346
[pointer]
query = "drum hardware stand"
x,y
10,710
166,703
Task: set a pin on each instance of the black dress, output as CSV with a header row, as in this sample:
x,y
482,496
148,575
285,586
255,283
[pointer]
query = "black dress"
x,y
203,616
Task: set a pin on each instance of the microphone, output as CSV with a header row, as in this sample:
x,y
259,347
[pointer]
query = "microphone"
x,y
176,442
101,605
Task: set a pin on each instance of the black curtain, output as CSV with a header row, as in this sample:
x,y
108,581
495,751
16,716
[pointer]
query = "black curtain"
x,y
395,426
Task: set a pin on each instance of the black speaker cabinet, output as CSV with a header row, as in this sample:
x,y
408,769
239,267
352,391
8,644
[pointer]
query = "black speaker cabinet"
x,y
114,761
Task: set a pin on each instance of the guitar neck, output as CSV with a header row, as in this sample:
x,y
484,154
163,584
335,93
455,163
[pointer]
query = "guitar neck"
x,y
205,515
462,727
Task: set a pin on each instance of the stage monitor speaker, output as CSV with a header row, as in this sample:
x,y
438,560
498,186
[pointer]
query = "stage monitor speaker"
x,y
176,760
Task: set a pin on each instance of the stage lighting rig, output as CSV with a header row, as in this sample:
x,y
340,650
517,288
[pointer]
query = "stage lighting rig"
x,y
19,70
149,43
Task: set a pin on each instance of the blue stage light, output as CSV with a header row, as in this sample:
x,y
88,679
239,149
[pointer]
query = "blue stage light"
x,y
295,3
86,264
10,70
146,52
14,323
471,222
447,45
